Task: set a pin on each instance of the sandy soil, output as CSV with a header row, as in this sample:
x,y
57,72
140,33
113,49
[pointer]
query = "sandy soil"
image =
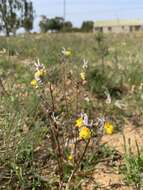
x,y
107,175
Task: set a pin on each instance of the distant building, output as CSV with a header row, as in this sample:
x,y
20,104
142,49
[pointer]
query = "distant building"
x,y
118,26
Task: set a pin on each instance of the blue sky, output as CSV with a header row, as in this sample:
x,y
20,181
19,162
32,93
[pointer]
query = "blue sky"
x,y
79,10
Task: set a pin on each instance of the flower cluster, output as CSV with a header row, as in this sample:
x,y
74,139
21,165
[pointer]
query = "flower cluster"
x,y
39,75
86,129
82,124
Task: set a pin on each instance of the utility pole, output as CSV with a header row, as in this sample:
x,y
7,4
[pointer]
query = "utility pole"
x,y
64,10
64,14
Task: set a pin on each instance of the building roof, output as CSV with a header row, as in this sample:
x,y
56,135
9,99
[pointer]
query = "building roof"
x,y
118,22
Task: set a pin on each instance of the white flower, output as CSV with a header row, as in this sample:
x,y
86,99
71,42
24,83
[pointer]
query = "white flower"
x,y
87,99
85,64
120,105
108,99
85,119
39,65
100,122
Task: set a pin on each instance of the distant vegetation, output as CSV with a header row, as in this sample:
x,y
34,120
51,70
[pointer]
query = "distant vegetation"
x,y
58,24
18,14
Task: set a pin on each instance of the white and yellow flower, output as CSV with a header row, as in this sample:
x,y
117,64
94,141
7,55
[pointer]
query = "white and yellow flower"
x,y
66,53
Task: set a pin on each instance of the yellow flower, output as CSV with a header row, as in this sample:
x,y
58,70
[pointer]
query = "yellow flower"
x,y
67,53
85,133
79,122
70,157
34,83
82,75
40,73
108,127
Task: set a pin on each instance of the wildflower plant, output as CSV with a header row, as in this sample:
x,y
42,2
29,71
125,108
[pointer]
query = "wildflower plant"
x,y
72,133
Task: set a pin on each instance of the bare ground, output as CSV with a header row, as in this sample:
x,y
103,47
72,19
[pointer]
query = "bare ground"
x,y
107,176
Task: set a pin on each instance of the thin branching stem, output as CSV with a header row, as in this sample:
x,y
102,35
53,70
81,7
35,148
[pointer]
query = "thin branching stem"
x,y
77,166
